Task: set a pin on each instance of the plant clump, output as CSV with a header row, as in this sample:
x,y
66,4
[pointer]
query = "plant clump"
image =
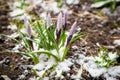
x,y
106,58
46,43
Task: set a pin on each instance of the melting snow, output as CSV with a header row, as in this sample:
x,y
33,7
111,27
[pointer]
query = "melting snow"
x,y
116,42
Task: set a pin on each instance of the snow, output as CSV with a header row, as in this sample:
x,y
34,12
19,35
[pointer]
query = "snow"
x,y
17,47
50,6
117,42
69,2
112,56
14,35
42,66
88,64
13,27
17,12
5,77
41,73
112,73
78,75
78,29
64,66
75,47
93,68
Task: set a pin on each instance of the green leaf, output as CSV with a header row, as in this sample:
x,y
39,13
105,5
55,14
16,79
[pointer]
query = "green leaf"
x,y
113,5
65,52
76,36
10,38
100,3
34,57
26,41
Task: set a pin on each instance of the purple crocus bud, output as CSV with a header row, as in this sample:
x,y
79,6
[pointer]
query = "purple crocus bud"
x,y
59,26
49,20
59,22
72,30
65,20
28,29
27,24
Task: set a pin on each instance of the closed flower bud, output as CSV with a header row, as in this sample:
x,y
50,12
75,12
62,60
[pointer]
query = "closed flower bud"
x,y
65,21
27,25
72,30
28,30
59,26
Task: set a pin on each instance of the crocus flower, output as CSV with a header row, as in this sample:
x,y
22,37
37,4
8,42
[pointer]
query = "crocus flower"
x,y
49,21
28,29
72,30
59,26
27,25
65,21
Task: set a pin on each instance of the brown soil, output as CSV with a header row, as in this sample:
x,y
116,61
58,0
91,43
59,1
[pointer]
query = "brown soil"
x,y
11,64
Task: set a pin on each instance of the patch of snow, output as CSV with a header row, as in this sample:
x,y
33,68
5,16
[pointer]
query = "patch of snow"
x,y
24,57
5,77
89,65
75,47
108,77
80,59
58,73
64,66
42,66
112,56
78,29
108,12
17,12
17,47
116,42
21,77
98,58
43,15
50,6
69,2
45,78
98,44
41,73
13,27
93,68
16,4
14,35
78,75
112,73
